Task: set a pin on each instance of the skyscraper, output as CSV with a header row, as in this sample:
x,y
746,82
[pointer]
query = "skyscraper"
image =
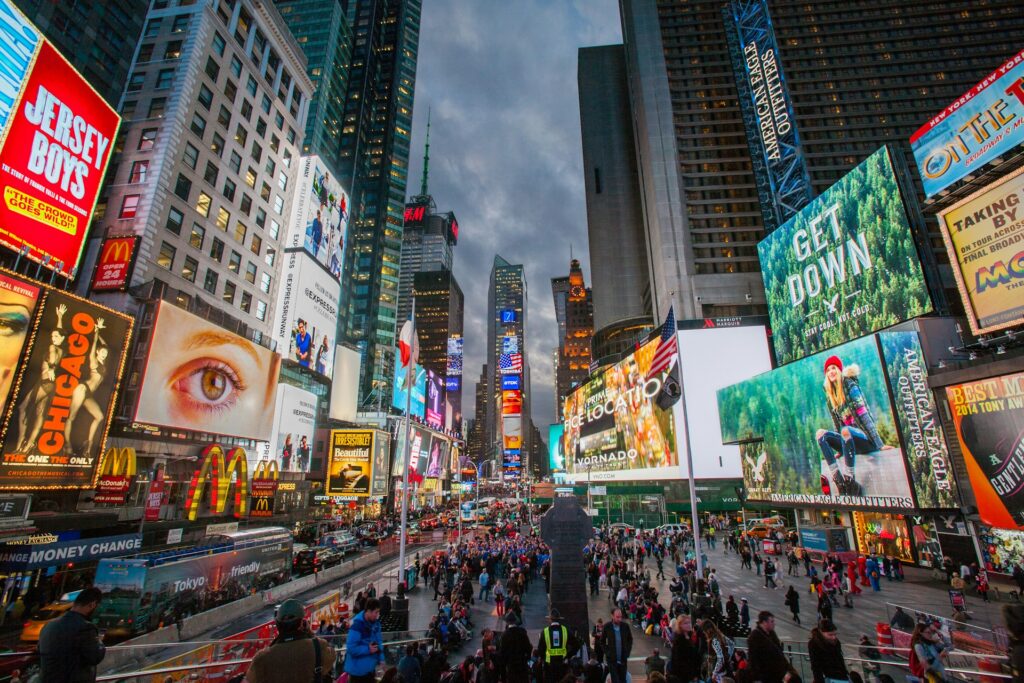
x,y
576,331
98,38
506,429
428,240
856,75
440,308
375,138
477,444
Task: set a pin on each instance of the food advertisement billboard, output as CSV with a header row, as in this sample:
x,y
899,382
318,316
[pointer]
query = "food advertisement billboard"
x,y
418,400
380,471
350,463
57,419
614,427
988,417
984,237
18,300
204,378
979,126
845,266
56,143
294,425
320,215
114,264
556,447
435,401
819,431
512,432
306,322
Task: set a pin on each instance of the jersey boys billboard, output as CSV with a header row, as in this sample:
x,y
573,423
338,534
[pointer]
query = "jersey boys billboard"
x,y
845,266
984,236
56,142
984,123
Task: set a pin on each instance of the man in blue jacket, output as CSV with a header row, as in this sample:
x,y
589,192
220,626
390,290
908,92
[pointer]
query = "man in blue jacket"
x,y
364,648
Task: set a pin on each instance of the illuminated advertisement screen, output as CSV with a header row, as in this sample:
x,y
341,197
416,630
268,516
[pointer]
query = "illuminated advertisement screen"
x,y
988,417
511,403
114,264
18,301
57,419
438,455
295,423
420,438
511,383
512,432
203,378
819,431
435,401
418,401
845,266
380,471
983,236
350,463
614,428
556,447
508,316
306,321
56,143
456,346
320,215
978,127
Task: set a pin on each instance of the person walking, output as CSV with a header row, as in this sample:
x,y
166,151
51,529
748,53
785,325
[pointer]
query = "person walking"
x,y
767,660
793,602
364,647
826,654
485,585
928,652
769,574
499,599
295,654
514,652
70,647
617,643
758,562
684,664
744,614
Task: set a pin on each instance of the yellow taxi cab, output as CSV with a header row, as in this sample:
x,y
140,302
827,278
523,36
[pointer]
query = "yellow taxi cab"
x,y
44,615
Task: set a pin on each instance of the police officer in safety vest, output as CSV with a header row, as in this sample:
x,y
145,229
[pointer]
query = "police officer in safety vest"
x,y
556,646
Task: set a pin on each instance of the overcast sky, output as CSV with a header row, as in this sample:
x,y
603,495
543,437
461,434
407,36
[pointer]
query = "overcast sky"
x,y
500,81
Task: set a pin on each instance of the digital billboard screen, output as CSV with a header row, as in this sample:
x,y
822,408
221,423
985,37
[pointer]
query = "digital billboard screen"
x,y
983,235
434,413
988,417
819,431
306,320
381,462
456,346
320,215
204,378
56,136
420,438
438,455
556,447
978,127
844,266
350,463
294,427
418,400
57,418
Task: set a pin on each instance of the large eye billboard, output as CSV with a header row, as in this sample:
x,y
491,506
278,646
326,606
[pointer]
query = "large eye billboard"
x,y
845,266
56,422
203,378
825,431
55,143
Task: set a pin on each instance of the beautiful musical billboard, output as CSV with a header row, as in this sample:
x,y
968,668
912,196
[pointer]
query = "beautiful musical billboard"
x,y
306,320
988,416
979,126
57,419
114,264
819,431
320,215
844,266
203,378
56,136
984,237
350,463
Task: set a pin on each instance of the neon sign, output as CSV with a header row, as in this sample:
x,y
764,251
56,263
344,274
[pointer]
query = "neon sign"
x,y
213,468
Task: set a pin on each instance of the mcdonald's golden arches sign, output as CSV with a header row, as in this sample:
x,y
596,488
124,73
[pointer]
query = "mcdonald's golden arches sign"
x,y
116,474
114,264
212,468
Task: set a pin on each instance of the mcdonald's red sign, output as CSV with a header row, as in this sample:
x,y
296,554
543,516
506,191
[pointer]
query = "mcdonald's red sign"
x,y
114,264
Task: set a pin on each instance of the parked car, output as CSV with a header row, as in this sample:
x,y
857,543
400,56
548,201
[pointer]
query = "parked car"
x,y
674,528
622,526
314,560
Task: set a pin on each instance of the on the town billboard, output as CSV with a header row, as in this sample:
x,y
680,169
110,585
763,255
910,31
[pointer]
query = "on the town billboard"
x,y
845,266
418,400
294,427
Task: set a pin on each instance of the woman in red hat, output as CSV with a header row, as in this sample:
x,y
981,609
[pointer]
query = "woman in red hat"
x,y
855,429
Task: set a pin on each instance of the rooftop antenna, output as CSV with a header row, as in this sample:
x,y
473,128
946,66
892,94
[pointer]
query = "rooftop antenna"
x,y
426,158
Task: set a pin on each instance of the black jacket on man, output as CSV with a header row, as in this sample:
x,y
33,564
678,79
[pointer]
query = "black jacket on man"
x,y
768,662
684,663
514,651
70,649
826,658
608,641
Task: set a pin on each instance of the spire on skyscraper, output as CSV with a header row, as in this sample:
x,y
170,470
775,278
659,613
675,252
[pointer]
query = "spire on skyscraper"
x,y
426,159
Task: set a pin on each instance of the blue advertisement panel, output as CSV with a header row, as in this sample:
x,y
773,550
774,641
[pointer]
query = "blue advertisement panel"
x,y
20,41
784,186
556,447
418,404
24,557
982,124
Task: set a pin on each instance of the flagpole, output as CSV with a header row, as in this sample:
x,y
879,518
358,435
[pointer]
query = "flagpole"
x,y
409,380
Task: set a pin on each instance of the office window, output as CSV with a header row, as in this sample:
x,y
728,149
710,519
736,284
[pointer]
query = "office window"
x,y
261,217
270,166
205,97
271,256
250,86
275,229
164,78
191,156
246,304
152,28
217,145
180,24
230,90
212,69
172,50
188,270
265,104
241,135
210,175
157,107
145,53
265,193
291,135
278,204
183,187
250,273
282,181
261,310
234,262
247,109
198,125
174,221
240,231
287,160
129,205
139,171
236,67
128,110
256,152
265,282
245,204
147,139
136,81
217,250
198,236
256,244
210,283
165,259
236,162
229,292
223,219
218,44
224,117
261,127
279,120
203,203
229,189
275,143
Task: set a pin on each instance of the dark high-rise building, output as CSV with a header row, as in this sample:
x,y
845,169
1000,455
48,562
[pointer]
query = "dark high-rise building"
x,y
428,240
440,308
506,341
857,74
98,38
321,27
375,136
477,443
576,328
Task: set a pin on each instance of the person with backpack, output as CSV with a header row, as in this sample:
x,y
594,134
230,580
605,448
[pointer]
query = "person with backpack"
x,y
826,654
927,653
719,652
769,574
294,655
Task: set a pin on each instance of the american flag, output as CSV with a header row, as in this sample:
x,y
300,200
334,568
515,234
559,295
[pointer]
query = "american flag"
x,y
668,348
510,363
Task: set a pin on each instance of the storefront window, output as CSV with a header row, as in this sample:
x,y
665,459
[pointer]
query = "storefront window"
x,y
1002,549
883,534
929,550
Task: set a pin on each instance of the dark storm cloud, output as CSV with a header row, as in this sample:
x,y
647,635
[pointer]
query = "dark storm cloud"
x,y
500,81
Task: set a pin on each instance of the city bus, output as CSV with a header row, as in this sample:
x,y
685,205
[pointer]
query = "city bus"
x,y
151,590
